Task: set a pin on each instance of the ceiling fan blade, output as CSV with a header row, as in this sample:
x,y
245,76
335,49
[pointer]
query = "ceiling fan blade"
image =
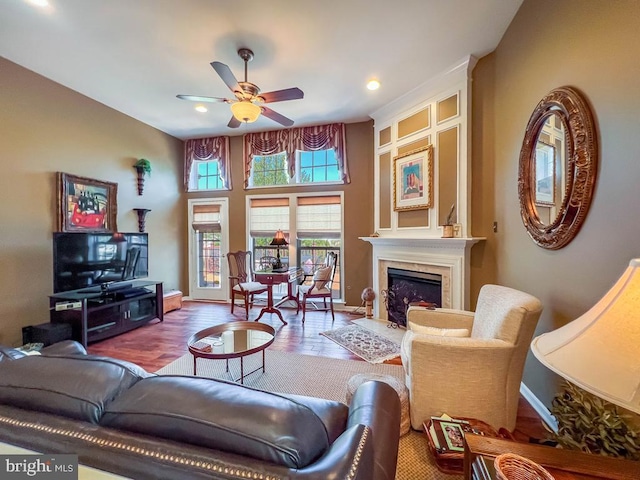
x,y
282,95
196,98
227,76
276,117
234,122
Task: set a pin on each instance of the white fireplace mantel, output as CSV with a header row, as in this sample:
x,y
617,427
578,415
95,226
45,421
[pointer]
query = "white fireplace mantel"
x,y
450,257
424,242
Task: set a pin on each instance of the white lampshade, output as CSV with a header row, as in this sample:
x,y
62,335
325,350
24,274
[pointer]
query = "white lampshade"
x,y
600,351
245,111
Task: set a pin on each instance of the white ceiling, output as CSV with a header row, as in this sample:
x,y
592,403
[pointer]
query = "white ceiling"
x,y
137,55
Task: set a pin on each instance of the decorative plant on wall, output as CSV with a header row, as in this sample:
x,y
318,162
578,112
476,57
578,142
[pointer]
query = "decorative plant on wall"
x,y
143,167
588,423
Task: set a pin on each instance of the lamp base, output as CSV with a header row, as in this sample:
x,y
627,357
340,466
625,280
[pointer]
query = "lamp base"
x,y
277,265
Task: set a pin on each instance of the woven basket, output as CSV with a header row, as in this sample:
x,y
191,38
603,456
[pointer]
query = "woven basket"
x,y
510,466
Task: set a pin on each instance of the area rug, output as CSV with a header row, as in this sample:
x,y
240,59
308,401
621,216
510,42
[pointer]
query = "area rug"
x,y
365,343
298,374
382,328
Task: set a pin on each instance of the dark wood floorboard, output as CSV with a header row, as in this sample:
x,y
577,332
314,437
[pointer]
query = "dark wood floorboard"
x,y
157,344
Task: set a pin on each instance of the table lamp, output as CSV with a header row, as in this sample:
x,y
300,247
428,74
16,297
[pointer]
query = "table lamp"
x,y
278,241
598,351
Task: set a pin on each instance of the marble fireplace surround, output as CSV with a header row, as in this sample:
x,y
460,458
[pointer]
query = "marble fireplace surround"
x,y
448,257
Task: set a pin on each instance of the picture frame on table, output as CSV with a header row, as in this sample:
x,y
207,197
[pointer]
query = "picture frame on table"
x,y
453,436
86,204
413,179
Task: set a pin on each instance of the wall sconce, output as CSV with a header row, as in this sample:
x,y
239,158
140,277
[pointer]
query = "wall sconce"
x,y
142,213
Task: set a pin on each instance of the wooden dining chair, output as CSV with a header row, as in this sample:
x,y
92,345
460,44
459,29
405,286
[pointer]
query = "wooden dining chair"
x,y
320,287
241,279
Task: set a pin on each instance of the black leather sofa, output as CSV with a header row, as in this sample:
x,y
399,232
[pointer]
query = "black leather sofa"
x,y
119,418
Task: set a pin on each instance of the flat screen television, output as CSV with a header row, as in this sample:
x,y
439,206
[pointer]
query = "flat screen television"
x,y
86,259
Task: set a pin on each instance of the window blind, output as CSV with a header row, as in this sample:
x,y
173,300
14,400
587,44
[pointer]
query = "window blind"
x,y
267,215
319,217
206,218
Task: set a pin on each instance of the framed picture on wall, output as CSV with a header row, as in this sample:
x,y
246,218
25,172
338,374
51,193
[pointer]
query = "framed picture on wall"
x,y
412,179
86,204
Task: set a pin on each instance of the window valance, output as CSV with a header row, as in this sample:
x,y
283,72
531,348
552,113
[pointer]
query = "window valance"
x,y
321,137
203,149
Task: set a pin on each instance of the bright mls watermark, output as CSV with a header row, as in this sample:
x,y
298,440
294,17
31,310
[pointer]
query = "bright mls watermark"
x,y
50,467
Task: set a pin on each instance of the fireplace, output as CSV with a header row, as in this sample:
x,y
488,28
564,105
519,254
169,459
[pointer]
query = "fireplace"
x,y
448,259
406,287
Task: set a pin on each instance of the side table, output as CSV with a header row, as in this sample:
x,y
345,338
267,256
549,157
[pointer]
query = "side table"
x,y
453,462
561,463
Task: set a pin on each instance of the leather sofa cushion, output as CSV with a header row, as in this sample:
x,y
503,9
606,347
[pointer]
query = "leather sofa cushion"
x,y
333,414
76,387
64,348
223,416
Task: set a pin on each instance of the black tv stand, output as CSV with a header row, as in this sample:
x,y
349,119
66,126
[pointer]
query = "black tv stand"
x,y
97,313
115,286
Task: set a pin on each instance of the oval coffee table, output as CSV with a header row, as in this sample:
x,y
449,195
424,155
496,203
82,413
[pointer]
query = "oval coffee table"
x,y
231,340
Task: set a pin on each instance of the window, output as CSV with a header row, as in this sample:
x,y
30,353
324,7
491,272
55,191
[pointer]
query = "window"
x,y
307,156
269,170
206,224
319,166
268,215
311,224
206,164
319,231
206,176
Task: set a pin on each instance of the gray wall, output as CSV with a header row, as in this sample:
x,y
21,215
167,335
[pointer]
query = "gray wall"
x,y
591,45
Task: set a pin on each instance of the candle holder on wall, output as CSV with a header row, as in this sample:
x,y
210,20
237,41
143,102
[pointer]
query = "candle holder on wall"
x,y
142,214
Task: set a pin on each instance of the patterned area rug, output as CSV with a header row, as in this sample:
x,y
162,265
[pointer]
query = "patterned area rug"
x,y
298,374
365,343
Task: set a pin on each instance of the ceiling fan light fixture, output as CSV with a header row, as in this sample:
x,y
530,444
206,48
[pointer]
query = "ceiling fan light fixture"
x,y
245,111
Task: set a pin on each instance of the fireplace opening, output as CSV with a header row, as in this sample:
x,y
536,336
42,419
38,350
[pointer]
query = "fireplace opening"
x,y
407,286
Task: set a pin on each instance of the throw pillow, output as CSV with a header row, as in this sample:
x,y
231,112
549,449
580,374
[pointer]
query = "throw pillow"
x,y
321,277
442,332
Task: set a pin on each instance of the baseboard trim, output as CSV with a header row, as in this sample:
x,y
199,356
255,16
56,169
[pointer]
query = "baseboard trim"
x,y
539,407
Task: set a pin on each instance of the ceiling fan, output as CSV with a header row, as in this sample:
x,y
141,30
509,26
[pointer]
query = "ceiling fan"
x,y
245,106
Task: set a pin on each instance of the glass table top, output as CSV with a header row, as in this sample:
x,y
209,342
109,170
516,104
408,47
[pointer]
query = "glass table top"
x,y
231,339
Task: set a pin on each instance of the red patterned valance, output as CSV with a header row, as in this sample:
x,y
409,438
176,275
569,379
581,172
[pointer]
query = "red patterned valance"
x,y
203,149
322,137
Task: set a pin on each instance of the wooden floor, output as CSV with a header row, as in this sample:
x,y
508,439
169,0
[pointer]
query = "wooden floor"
x,y
157,344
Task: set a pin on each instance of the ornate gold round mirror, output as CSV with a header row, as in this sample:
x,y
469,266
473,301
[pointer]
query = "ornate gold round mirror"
x,y
558,166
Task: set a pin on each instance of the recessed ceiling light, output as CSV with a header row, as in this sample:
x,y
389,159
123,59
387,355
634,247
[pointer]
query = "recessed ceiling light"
x,y
39,3
201,109
373,84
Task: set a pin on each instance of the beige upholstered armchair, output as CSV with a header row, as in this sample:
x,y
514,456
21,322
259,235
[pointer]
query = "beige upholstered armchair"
x,y
469,364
